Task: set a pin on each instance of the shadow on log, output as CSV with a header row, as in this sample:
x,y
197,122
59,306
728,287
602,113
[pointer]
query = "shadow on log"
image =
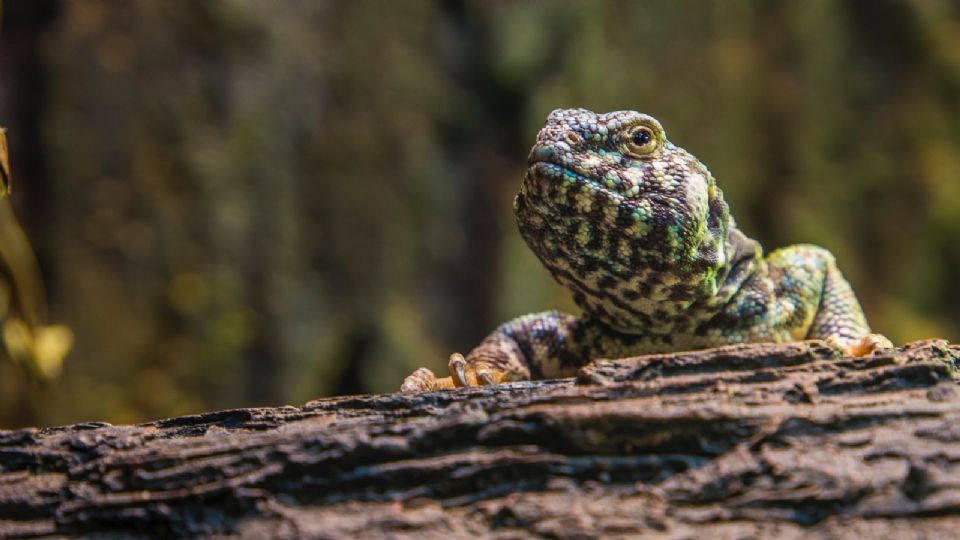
x,y
744,441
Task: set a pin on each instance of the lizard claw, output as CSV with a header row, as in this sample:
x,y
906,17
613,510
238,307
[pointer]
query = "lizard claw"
x,y
485,377
457,366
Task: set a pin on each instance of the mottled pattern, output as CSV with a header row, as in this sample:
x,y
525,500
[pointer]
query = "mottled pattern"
x,y
638,231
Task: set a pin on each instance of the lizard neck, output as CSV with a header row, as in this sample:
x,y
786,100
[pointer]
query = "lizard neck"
x,y
743,255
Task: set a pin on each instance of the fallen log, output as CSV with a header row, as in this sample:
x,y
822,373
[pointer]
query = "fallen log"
x,y
767,440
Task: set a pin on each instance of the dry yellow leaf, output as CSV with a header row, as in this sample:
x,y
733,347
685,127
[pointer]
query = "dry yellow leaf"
x,y
50,346
4,164
18,342
21,269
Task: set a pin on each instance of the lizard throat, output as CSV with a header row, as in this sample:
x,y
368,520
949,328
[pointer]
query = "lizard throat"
x,y
634,263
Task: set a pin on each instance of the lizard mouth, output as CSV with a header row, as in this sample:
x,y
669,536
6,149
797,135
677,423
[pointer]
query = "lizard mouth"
x,y
550,175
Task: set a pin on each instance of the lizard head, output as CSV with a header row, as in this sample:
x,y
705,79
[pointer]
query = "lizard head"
x,y
619,214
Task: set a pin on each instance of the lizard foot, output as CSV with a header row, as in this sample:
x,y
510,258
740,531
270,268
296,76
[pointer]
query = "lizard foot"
x,y
862,347
423,380
478,373
462,373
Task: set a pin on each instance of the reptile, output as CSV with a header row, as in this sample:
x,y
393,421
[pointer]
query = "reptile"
x,y
637,229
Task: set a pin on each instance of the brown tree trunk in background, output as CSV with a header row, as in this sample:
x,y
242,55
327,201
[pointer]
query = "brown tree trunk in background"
x,y
23,92
739,442
482,138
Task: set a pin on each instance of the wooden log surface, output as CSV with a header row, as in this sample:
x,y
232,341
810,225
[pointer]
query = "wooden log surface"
x,y
778,441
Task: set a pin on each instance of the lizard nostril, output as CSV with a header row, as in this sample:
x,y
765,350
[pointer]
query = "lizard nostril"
x,y
572,137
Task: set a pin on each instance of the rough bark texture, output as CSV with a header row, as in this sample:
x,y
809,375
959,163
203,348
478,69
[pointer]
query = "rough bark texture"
x,y
780,441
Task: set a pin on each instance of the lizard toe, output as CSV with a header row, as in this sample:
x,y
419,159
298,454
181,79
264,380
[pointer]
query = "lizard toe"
x,y
478,372
423,380
457,366
861,347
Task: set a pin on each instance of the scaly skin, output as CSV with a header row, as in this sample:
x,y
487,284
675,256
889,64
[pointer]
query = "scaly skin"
x,y
637,230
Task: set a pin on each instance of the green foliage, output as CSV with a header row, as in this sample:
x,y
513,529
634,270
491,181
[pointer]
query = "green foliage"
x,y
253,202
36,348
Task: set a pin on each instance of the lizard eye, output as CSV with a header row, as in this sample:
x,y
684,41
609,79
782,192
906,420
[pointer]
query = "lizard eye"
x,y
642,142
572,138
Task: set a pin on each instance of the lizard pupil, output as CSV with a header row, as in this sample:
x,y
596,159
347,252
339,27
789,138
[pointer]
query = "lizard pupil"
x,y
641,137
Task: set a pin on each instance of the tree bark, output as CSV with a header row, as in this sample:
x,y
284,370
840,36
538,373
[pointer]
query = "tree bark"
x,y
744,441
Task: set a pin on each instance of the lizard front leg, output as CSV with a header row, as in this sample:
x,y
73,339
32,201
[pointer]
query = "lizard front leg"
x,y
841,321
838,317
539,345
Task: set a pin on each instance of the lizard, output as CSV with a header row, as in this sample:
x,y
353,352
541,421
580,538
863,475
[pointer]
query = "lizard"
x,y
638,231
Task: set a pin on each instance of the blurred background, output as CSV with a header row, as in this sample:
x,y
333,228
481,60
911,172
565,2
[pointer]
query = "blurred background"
x,y
241,202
